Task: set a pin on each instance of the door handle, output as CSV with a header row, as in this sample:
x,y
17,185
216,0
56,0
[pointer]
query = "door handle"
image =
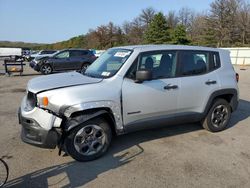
x,y
170,86
209,82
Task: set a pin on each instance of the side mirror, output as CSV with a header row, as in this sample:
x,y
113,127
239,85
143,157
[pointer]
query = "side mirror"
x,y
143,75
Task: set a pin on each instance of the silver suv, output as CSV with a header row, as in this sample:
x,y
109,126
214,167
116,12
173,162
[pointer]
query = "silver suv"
x,y
127,89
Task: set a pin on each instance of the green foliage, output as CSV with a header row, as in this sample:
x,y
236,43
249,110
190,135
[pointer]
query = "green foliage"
x,y
19,44
75,42
158,30
179,35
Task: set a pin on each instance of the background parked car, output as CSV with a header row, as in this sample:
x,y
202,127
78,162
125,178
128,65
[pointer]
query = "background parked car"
x,y
69,59
42,53
98,53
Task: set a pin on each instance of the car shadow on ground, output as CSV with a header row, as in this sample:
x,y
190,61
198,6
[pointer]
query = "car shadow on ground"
x,y
31,74
242,112
22,75
74,174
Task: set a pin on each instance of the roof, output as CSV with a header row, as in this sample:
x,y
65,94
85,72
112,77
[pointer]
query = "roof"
x,y
75,49
168,47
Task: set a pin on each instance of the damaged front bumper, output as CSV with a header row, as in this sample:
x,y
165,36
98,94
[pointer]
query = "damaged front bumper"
x,y
39,127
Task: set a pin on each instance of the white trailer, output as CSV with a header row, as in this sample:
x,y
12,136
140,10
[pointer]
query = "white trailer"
x,y
11,52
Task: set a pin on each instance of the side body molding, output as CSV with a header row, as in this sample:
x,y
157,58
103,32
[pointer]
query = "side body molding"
x,y
113,106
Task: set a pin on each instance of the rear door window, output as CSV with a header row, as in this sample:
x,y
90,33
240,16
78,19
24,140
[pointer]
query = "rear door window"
x,y
78,53
84,52
75,53
193,63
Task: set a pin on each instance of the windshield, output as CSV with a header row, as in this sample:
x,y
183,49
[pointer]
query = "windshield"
x,y
108,63
57,52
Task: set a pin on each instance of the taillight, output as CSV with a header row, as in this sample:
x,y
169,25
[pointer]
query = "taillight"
x,y
237,77
93,57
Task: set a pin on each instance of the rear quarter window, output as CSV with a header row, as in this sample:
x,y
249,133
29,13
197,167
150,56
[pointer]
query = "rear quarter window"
x,y
215,61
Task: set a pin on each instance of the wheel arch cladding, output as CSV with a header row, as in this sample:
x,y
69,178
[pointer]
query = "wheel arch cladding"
x,y
90,114
230,95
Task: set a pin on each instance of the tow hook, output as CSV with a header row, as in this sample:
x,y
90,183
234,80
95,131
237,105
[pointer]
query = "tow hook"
x,y
61,144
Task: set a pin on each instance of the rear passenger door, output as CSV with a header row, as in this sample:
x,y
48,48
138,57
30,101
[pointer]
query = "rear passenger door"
x,y
76,59
199,79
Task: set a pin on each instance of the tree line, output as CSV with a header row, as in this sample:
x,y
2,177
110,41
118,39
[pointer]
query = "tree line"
x,y
225,24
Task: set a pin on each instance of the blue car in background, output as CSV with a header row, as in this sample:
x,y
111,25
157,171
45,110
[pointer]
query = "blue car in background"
x,y
65,60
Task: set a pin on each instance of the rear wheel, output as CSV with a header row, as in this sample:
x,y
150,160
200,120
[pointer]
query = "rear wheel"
x,y
89,140
218,116
46,69
84,67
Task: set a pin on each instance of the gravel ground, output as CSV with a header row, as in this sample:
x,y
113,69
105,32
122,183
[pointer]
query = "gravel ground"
x,y
175,156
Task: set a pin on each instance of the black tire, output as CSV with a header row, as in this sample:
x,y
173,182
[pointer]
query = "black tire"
x,y
46,69
4,172
71,139
84,67
216,120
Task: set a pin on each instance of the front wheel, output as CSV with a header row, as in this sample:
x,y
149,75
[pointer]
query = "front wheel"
x,y
218,116
46,69
89,140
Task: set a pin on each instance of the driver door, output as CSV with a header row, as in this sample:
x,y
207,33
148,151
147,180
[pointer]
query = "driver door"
x,y
154,99
61,61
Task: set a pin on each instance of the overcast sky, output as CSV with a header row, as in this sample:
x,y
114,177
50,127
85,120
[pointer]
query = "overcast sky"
x,y
47,21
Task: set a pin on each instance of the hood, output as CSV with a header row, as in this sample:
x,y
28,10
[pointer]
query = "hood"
x,y
38,58
55,81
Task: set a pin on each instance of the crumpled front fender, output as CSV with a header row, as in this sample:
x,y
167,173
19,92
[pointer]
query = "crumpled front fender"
x,y
114,107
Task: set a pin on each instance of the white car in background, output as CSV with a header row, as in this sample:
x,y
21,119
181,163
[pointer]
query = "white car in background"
x,y
98,53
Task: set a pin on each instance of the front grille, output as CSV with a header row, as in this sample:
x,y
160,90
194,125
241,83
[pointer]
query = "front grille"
x,y
31,101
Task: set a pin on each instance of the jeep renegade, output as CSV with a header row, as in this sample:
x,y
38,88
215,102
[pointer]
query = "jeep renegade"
x,y
127,89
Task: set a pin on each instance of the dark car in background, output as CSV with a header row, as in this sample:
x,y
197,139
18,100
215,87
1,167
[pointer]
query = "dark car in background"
x,y
69,59
40,54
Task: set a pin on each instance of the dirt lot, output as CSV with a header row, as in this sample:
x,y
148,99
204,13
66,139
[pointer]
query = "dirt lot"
x,y
176,156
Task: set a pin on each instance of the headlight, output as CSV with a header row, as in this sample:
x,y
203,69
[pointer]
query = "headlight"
x,y
31,101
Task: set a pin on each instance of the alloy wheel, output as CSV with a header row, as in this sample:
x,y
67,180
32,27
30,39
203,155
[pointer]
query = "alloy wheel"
x,y
84,67
89,140
219,116
46,69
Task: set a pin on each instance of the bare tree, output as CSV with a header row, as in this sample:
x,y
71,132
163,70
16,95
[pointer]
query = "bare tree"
x,y
244,22
172,19
134,31
126,27
147,15
223,16
186,15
